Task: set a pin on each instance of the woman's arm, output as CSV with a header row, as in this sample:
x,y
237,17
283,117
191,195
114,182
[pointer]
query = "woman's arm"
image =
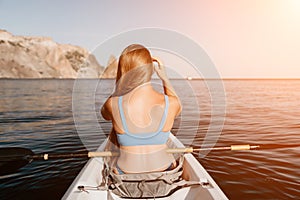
x,y
168,88
161,72
106,110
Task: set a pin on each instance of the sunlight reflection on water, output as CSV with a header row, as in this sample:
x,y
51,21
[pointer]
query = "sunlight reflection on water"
x,y
37,114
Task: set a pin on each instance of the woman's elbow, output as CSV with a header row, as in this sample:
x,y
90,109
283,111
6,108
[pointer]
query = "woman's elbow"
x,y
179,108
176,106
105,114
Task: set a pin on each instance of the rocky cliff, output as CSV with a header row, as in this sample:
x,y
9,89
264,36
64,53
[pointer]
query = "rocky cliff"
x,y
41,57
111,70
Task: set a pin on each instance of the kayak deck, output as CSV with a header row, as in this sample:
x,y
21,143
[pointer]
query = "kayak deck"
x,y
91,176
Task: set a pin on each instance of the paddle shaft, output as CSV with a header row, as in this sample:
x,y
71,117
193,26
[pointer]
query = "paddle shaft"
x,y
73,155
109,153
187,150
226,148
13,158
27,154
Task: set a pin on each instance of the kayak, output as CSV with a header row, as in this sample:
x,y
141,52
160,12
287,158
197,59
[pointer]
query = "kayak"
x,y
91,176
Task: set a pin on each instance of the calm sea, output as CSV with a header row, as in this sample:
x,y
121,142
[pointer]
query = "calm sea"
x,y
38,114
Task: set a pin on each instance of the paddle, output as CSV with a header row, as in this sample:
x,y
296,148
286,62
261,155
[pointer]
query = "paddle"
x,y
13,158
233,148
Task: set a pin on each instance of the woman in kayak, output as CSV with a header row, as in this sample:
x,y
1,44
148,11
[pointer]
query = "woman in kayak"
x,y
141,117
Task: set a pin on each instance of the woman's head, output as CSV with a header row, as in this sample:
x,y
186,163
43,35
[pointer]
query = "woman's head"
x,y
132,57
135,67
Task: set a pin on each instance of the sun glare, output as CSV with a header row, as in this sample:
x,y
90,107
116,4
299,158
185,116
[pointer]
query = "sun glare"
x,y
293,5
290,9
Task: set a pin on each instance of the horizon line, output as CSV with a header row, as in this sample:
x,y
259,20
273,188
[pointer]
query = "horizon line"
x,y
192,78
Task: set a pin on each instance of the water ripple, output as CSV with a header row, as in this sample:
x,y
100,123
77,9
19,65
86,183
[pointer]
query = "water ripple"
x,y
38,115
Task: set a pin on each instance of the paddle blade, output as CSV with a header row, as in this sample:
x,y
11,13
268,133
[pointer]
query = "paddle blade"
x,y
13,158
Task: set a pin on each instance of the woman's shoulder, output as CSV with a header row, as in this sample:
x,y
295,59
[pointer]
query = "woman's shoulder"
x,y
173,99
106,109
175,104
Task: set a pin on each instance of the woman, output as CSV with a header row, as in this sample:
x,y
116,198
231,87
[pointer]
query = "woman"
x,y
141,117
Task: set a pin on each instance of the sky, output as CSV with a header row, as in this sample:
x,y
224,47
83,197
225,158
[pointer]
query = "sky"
x,y
243,38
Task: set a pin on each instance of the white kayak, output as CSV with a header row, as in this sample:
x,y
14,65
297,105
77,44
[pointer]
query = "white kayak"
x,y
91,175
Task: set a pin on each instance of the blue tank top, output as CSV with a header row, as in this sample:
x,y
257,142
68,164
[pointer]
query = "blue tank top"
x,y
155,138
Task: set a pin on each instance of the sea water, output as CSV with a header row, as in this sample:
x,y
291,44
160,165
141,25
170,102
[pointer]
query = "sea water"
x,y
57,116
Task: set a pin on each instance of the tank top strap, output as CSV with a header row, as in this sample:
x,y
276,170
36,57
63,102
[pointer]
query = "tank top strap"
x,y
164,117
120,100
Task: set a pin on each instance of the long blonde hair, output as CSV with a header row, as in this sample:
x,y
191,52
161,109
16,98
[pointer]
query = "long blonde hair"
x,y
135,67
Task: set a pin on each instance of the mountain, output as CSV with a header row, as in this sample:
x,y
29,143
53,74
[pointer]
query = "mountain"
x,y
41,57
111,70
